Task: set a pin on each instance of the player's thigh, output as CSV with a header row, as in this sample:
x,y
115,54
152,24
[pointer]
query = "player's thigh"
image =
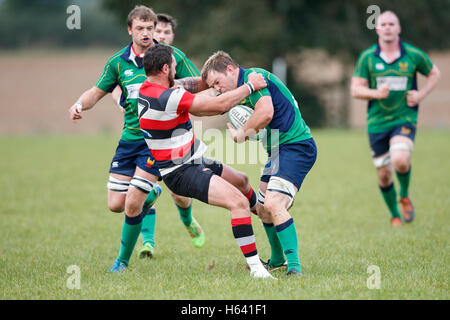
x,y
223,194
236,178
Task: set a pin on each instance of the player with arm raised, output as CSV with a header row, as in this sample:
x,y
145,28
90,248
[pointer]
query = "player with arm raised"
x,y
164,120
385,76
133,171
291,149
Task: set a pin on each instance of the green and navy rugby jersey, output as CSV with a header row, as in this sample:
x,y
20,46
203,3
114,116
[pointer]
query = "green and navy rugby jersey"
x,y
385,114
287,118
126,70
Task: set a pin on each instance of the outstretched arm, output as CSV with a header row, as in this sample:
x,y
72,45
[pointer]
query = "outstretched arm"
x,y
205,105
86,101
192,84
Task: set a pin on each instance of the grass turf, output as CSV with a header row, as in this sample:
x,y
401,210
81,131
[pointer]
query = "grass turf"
x,y
53,214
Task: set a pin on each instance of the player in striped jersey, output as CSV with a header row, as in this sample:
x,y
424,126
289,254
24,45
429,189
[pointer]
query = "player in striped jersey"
x,y
132,169
164,120
386,76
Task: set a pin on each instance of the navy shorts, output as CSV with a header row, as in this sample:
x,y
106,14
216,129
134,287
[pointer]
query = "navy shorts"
x,y
130,155
192,180
379,142
291,161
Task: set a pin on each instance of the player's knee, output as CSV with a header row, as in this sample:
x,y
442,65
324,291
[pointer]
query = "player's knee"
x,y
116,206
238,201
241,182
384,177
401,164
180,201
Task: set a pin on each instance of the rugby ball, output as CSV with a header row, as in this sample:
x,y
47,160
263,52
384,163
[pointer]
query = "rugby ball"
x,y
239,115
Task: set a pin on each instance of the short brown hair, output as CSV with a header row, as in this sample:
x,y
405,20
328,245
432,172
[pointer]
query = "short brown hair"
x,y
217,62
165,18
142,13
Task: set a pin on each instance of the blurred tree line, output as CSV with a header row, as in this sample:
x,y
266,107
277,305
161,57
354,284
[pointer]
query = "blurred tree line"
x,y
254,32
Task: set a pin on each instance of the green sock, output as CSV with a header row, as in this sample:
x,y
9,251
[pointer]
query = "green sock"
x,y
150,200
390,197
404,179
276,250
148,227
185,215
288,238
130,233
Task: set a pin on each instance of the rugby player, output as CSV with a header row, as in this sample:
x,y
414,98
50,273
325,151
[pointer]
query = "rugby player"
x,y
385,76
164,120
291,149
133,172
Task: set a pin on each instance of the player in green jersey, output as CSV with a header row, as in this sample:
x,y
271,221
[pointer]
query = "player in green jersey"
x,y
185,68
385,75
291,149
132,169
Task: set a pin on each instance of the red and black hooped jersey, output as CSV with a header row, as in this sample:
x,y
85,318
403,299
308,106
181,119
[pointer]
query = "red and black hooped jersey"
x,y
167,129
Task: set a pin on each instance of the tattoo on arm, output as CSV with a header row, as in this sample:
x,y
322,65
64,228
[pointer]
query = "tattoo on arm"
x,y
191,84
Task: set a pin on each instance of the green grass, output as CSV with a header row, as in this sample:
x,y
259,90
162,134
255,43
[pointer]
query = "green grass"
x,y
53,214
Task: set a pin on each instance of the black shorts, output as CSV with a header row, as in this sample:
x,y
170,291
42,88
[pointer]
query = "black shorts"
x,y
192,180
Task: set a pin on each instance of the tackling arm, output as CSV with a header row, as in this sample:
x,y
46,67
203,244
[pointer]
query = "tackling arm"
x,y
206,105
192,84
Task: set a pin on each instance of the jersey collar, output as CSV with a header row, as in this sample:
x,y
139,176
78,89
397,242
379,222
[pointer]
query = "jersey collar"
x,y
241,77
402,52
130,56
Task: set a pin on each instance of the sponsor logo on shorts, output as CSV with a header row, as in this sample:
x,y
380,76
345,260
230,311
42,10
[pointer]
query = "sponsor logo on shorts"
x,y
115,164
150,163
406,130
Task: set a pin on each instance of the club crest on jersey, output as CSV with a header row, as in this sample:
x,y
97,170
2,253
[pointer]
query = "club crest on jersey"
x,y
379,66
403,66
150,163
128,73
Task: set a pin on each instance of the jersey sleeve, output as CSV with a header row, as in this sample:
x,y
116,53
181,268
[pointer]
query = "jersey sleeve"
x,y
108,80
185,100
185,67
362,68
423,62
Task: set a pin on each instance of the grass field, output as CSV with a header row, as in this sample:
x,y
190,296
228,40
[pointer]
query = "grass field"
x,y
53,214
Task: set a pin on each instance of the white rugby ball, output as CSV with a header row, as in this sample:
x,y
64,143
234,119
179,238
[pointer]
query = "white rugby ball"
x,y
239,115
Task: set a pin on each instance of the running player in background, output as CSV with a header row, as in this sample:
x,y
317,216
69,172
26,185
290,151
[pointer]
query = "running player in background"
x,y
291,149
385,75
133,172
164,119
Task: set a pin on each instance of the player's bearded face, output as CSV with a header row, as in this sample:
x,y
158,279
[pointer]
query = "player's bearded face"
x,y
172,72
142,32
